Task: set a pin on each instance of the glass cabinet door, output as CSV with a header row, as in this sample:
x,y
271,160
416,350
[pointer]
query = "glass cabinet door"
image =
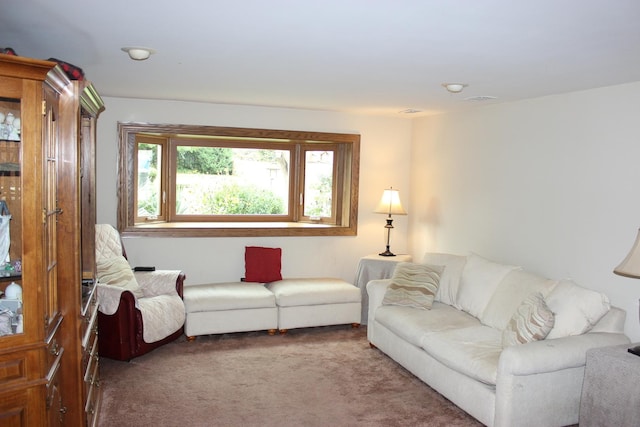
x,y
11,315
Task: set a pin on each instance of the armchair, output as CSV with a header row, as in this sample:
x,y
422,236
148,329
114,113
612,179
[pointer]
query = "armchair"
x,y
137,311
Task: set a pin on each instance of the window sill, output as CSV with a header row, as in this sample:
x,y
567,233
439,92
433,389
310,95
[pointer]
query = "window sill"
x,y
236,229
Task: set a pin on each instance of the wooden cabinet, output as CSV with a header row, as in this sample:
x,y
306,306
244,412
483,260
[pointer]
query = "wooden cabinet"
x,y
80,368
46,334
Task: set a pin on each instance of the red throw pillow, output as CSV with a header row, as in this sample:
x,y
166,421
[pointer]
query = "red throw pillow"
x,y
262,264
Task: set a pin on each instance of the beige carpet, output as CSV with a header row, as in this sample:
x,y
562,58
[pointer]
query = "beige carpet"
x,y
325,376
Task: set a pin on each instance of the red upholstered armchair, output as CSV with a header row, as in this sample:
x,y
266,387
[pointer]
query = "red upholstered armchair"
x,y
137,311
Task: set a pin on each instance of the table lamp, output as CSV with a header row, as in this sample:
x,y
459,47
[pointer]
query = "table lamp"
x,y
630,267
390,204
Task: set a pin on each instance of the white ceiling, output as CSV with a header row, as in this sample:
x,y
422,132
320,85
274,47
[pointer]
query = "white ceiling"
x,y
369,56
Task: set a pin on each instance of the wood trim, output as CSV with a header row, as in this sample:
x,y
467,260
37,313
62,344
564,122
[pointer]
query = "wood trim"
x,y
347,184
24,68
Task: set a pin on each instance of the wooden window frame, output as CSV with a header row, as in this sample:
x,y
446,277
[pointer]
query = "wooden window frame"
x,y
164,146
346,175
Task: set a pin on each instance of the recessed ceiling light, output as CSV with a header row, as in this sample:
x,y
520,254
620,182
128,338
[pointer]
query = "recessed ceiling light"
x,y
454,87
138,53
410,111
480,98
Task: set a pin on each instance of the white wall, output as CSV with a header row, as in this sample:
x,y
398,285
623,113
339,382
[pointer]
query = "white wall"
x,y
552,184
384,153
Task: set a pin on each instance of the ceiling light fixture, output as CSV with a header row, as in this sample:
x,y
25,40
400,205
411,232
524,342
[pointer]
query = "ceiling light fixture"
x,y
480,98
454,87
138,53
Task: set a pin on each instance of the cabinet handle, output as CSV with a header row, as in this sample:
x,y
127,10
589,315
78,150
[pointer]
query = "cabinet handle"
x,y
55,350
63,410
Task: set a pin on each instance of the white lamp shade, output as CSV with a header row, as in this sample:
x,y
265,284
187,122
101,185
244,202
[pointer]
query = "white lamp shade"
x,y
630,266
390,203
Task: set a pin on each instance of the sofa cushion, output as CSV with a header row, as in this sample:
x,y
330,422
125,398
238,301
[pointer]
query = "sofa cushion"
x,y
473,351
262,265
532,321
227,296
116,271
576,309
450,277
162,315
510,293
314,291
413,285
480,278
412,325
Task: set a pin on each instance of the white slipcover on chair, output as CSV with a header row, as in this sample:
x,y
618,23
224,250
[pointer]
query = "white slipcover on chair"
x,y
158,313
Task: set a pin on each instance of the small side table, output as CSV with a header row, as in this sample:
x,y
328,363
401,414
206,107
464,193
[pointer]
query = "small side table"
x,y
611,388
372,267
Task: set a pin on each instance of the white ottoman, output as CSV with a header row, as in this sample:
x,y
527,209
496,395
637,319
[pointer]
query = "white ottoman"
x,y
316,302
220,308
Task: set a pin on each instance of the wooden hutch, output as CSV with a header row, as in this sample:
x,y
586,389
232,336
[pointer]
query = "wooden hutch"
x,y
48,343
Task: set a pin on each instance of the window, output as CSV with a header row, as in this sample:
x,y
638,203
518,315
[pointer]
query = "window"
x,y
178,180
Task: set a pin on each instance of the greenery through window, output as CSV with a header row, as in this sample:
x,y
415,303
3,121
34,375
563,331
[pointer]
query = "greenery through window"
x,y
217,181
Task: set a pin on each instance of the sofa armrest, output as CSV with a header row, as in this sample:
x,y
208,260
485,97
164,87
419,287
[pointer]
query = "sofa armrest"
x,y
109,297
553,355
160,282
118,330
376,290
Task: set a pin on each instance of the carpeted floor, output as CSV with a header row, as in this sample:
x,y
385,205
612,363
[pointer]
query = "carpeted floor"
x,y
326,376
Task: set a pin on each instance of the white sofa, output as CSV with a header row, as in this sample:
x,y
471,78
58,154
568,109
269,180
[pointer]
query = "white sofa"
x,y
456,346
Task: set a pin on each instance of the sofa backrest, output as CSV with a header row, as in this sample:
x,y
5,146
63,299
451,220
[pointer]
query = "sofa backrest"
x,y
612,322
450,279
508,296
492,292
479,281
108,243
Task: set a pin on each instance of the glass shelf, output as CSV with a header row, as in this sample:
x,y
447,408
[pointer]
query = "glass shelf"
x,y
10,124
11,321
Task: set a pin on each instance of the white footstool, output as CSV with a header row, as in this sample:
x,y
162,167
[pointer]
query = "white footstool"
x,y
316,302
220,308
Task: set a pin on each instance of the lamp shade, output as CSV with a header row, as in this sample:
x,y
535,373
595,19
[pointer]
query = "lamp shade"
x,y
630,266
390,203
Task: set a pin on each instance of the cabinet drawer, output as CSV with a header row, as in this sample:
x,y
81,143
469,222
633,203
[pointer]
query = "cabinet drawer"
x,y
54,349
92,375
53,343
92,363
19,367
91,352
91,322
53,381
93,398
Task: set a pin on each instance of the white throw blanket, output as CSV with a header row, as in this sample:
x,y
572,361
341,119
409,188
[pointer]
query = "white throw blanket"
x,y
162,308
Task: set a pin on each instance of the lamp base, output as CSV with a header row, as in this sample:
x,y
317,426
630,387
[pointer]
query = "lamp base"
x,y
387,253
635,350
